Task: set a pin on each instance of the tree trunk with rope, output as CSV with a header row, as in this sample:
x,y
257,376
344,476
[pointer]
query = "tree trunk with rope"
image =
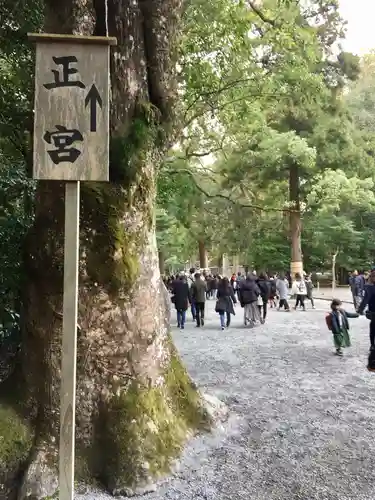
x,y
295,223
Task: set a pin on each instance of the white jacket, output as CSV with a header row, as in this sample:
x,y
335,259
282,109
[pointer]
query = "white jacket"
x,y
299,288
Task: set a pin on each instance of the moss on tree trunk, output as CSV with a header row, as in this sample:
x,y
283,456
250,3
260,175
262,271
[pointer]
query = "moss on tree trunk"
x,y
135,402
16,438
143,428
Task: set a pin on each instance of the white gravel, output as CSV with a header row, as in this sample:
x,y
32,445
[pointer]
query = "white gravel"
x,y
302,421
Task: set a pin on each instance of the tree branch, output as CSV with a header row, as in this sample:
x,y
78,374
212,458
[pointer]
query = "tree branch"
x,y
261,15
228,198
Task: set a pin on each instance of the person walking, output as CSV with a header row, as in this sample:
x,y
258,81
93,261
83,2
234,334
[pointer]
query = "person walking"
x,y
273,292
181,298
339,325
352,285
215,284
282,287
299,290
309,289
369,301
248,294
265,289
359,287
191,280
198,295
225,301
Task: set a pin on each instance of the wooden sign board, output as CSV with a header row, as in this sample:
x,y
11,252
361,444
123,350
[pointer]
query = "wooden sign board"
x,y
71,124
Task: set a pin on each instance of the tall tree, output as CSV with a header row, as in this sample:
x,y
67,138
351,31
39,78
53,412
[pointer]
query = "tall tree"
x,y
135,402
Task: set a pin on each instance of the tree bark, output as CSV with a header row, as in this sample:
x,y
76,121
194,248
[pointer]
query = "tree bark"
x,y
236,264
135,402
203,261
334,256
161,262
296,265
220,263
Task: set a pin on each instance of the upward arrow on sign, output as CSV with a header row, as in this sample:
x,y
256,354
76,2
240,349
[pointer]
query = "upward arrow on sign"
x,y
93,98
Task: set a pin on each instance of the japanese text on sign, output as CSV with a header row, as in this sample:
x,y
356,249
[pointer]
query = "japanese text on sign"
x,y
71,112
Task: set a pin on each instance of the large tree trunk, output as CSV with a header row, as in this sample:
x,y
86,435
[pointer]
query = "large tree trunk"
x,y
334,257
203,261
236,264
161,262
135,402
220,263
296,265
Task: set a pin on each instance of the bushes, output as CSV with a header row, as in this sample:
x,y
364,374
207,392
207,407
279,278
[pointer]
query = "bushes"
x,y
16,214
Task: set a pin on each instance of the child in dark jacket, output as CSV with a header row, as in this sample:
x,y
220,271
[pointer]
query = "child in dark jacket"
x,y
337,321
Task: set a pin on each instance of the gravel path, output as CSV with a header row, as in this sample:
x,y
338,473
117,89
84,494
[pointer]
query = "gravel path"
x,y
302,421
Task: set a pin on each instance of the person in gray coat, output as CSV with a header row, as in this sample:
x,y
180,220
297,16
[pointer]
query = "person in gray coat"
x,y
282,290
198,294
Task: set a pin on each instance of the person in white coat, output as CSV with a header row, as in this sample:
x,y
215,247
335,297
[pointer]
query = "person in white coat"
x,y
299,289
282,288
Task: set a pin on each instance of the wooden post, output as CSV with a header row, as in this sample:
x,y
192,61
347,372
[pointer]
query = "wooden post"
x,y
71,144
69,342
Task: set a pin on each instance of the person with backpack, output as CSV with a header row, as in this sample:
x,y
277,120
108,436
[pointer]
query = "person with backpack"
x,y
337,322
300,291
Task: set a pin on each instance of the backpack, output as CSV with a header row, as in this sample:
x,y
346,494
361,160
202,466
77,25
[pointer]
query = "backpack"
x,y
329,322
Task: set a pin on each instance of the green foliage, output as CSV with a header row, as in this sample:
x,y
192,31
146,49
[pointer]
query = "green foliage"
x,y
261,91
15,443
16,190
16,193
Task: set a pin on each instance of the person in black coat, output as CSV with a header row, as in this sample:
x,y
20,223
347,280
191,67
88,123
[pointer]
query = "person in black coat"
x,y
265,289
181,298
369,301
225,301
248,293
273,292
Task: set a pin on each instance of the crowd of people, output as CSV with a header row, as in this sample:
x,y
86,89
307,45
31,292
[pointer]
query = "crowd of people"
x,y
254,292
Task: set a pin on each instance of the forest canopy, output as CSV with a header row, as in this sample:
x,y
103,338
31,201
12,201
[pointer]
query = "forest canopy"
x,y
268,96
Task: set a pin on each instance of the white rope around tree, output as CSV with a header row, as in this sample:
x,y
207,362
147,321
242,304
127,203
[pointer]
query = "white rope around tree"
x,y
106,17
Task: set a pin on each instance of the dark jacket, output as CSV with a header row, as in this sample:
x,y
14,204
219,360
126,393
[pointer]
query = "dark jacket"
x,y
198,290
225,300
273,291
265,288
359,284
309,288
248,292
352,283
181,295
345,323
368,299
214,283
